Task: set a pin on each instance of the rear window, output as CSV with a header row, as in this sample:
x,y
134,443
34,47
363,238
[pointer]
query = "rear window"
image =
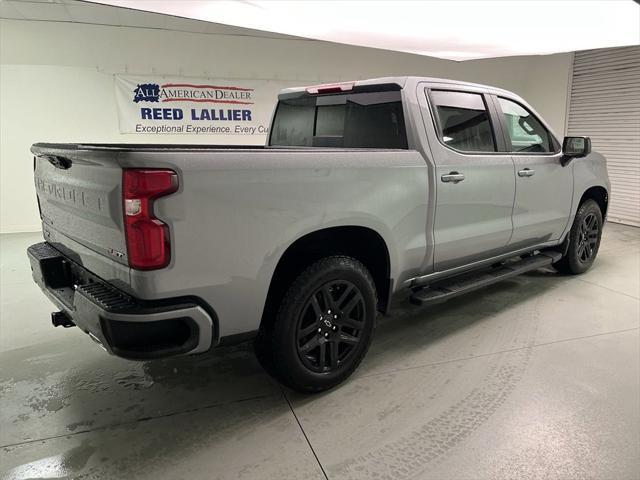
x,y
464,121
358,120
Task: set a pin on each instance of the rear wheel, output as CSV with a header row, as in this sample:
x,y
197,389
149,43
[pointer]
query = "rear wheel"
x,y
584,240
324,325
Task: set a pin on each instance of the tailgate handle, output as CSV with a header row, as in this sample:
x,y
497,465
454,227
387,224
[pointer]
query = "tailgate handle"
x,y
58,162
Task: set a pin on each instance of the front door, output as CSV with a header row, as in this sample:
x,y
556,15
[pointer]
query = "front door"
x,y
544,187
475,185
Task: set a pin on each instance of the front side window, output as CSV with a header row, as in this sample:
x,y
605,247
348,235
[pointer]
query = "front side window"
x,y
358,120
525,131
464,121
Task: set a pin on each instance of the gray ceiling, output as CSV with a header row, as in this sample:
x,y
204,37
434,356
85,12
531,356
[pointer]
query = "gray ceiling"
x,y
73,11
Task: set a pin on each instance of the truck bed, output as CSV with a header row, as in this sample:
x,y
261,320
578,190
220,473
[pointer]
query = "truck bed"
x,y
51,148
259,198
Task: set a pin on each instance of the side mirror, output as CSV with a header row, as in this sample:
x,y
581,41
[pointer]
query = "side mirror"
x,y
576,147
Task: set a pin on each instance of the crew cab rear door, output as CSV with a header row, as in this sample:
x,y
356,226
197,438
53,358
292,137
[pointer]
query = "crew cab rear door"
x,y
474,177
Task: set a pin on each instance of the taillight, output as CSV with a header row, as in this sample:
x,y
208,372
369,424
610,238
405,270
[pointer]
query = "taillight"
x,y
147,237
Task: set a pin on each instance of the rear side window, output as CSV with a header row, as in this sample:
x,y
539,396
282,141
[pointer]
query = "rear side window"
x,y
359,120
525,131
463,121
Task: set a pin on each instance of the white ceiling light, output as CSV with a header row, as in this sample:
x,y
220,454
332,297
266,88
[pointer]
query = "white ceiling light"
x,y
454,29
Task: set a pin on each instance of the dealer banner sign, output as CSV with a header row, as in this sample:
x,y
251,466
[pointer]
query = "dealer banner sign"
x,y
165,105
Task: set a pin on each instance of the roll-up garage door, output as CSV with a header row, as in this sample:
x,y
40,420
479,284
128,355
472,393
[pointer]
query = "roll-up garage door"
x,y
605,105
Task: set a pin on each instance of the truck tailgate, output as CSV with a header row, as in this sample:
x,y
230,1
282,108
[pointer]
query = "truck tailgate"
x,y
79,194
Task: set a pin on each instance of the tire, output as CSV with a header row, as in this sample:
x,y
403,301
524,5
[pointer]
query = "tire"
x,y
584,240
323,327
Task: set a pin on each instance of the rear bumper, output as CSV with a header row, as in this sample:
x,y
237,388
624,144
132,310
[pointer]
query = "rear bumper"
x,y
121,324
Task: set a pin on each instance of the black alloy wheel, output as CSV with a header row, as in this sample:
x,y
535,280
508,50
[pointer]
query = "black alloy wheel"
x,y
323,327
330,326
584,239
589,236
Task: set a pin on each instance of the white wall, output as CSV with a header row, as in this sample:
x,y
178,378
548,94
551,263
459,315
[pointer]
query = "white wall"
x,y
56,84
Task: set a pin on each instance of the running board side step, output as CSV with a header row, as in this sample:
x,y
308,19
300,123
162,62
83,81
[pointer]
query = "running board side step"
x,y
460,284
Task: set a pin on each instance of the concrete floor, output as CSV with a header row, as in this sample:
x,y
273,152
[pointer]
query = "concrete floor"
x,y
537,377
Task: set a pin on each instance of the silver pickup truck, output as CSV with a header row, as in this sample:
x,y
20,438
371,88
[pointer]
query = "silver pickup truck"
x,y
364,189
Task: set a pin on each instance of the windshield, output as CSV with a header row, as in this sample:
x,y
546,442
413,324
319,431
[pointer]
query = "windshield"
x,y
357,120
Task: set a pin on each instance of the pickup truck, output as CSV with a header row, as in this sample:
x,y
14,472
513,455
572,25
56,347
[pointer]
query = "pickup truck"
x,y
365,189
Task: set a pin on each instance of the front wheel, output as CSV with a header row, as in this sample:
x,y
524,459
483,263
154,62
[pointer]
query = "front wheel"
x,y
324,325
584,240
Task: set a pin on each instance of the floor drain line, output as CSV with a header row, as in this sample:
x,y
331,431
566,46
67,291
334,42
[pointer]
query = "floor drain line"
x,y
305,434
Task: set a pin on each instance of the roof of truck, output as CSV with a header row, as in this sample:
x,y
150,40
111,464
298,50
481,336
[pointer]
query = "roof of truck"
x,y
401,82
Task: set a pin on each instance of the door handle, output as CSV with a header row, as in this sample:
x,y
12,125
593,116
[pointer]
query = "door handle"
x,y
452,177
527,172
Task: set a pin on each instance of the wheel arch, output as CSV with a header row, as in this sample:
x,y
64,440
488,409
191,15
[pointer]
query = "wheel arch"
x,y
362,243
600,195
